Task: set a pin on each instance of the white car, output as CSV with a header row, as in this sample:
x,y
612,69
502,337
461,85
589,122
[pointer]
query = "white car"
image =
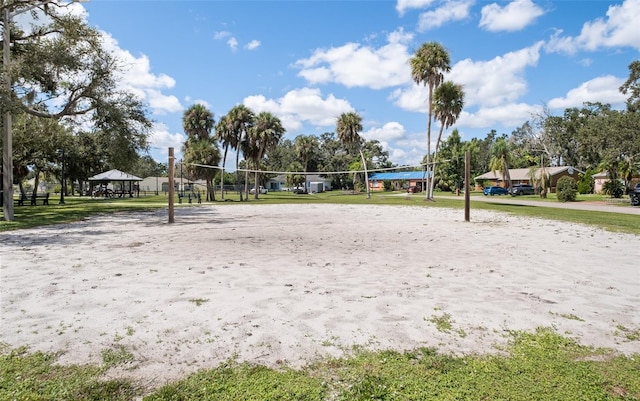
x,y
262,190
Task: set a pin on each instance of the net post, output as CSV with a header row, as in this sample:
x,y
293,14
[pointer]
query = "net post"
x,y
171,187
467,186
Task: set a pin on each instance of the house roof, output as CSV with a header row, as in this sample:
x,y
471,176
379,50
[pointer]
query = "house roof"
x,y
401,175
524,173
114,175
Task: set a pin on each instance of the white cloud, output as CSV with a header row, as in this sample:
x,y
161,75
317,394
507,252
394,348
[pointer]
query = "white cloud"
x,y
506,115
162,139
136,77
161,103
515,16
404,5
233,43
489,83
300,106
254,44
390,131
221,35
354,65
450,11
602,89
412,98
561,44
619,29
497,81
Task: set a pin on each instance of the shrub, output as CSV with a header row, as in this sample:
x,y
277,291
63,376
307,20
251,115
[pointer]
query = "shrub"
x,y
615,188
566,189
586,183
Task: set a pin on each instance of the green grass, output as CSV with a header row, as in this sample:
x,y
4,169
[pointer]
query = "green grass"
x,y
36,376
199,301
539,365
78,208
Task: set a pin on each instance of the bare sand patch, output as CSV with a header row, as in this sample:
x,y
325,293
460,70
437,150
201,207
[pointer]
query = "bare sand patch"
x,y
287,284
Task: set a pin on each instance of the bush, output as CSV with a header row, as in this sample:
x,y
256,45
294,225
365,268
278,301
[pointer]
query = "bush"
x,y
586,183
566,189
615,188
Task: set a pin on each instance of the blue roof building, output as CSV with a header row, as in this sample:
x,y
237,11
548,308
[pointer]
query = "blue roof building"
x,y
399,176
399,179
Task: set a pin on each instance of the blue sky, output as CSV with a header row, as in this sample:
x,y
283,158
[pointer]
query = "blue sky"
x,y
309,61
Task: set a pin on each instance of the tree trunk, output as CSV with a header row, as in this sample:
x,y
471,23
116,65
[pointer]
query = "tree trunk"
x,y
255,185
224,162
366,175
211,189
246,184
238,187
429,142
36,182
435,158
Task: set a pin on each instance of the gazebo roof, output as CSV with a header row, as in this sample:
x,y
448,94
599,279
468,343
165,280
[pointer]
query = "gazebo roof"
x,y
114,175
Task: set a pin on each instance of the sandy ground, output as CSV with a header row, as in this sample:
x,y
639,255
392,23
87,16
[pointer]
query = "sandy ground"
x,y
285,285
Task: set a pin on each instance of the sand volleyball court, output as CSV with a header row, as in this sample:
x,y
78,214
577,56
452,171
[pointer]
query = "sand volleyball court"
x,y
287,284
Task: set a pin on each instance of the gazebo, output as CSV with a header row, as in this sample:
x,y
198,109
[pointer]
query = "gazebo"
x,y
118,179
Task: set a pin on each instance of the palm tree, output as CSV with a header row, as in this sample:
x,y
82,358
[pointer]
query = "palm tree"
x,y
540,179
428,66
305,147
627,169
224,134
200,146
347,127
264,135
197,122
448,101
241,121
501,159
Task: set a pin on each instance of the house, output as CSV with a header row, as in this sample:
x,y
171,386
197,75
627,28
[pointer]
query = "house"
x,y
602,177
399,180
279,182
161,185
522,176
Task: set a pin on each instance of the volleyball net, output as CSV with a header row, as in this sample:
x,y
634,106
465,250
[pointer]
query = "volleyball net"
x,y
259,171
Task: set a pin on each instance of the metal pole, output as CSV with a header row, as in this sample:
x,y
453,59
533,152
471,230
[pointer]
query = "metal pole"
x,y
7,141
62,183
171,188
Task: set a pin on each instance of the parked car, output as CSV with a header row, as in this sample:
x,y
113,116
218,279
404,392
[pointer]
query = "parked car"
x,y
299,190
495,191
413,189
262,190
635,195
522,189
